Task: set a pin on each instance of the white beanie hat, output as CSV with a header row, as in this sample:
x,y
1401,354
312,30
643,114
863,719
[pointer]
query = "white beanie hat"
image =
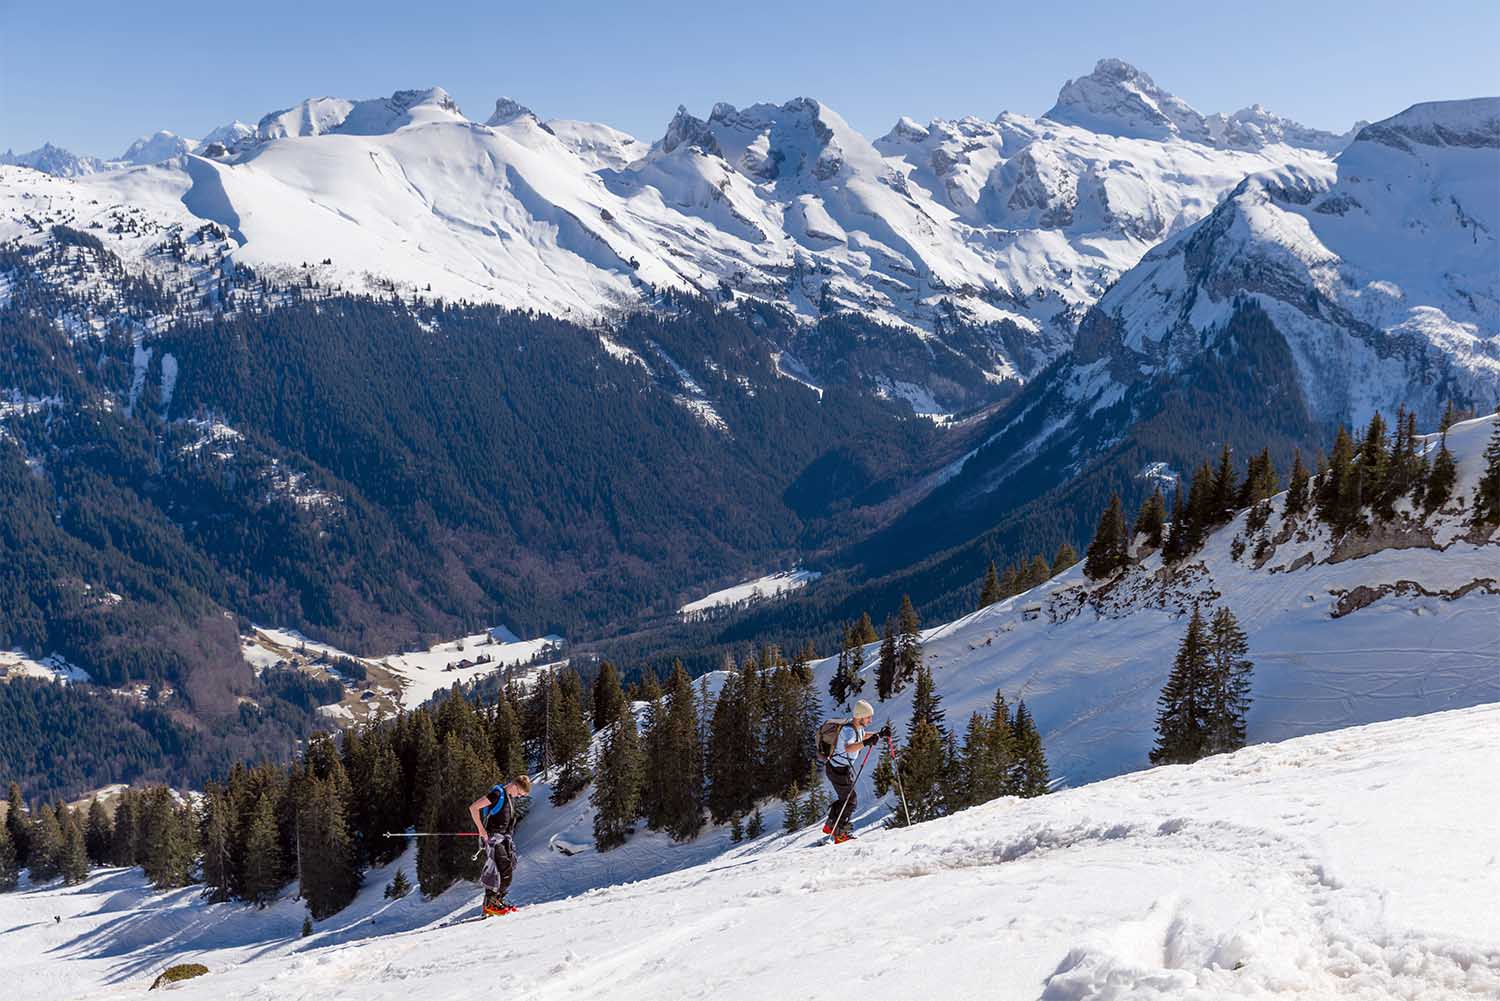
x,y
863,708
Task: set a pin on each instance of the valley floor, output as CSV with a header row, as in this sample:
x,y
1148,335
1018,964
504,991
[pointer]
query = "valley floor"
x,y
1359,863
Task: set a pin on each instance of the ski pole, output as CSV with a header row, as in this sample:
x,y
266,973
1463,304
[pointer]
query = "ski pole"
x,y
432,834
857,774
896,771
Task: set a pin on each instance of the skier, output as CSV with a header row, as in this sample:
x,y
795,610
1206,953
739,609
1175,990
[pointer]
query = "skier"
x,y
847,745
494,818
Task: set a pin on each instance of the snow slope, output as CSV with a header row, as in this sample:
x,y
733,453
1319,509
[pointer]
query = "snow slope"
x,y
770,586
1019,220
1358,863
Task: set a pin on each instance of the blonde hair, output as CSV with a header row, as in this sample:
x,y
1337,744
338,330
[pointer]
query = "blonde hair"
x,y
523,783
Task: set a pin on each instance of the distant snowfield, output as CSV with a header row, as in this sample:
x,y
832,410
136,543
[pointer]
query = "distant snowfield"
x,y
769,586
1359,863
15,664
419,674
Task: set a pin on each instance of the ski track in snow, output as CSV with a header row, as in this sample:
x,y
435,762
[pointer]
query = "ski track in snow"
x,y
1358,863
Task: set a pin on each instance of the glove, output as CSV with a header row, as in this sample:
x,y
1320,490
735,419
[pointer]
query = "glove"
x,y
872,740
885,731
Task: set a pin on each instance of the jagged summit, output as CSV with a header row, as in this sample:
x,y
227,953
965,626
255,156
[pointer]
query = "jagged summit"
x,y
1118,99
507,111
377,116
54,160
1472,123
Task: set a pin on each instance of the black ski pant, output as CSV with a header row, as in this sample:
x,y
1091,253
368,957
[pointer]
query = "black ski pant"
x,y
499,866
845,801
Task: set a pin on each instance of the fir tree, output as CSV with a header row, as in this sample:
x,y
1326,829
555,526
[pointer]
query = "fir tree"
x,y
921,765
1450,417
1109,551
1487,493
10,872
218,837
675,763
1222,491
1296,491
864,630
330,872
989,590
1151,520
307,928
757,825
791,816
887,678
570,741
505,738
398,887
1339,489
1227,688
908,642
97,834
166,855
609,698
839,683
1181,718
817,802
1261,482
1029,774
125,836
263,862
617,786
1040,570
1174,547
73,861
46,845
1066,556
736,829
18,823
1441,479
975,777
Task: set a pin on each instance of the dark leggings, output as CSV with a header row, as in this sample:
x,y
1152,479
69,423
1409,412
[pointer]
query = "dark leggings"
x,y
842,777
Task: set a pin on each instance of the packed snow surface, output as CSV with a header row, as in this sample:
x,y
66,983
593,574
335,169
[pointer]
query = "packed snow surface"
x,y
1359,863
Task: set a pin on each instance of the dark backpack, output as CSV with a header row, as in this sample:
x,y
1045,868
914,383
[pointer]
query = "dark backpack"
x,y
828,738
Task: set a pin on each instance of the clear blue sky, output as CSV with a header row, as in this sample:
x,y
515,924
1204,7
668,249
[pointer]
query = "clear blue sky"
x,y
92,76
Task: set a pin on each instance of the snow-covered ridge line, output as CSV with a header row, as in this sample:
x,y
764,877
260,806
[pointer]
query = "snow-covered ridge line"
x,y
1019,222
770,586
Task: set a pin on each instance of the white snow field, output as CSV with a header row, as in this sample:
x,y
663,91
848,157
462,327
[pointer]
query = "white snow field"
x,y
1360,863
770,586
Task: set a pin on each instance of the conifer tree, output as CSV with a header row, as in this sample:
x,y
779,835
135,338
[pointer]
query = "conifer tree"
x,y
674,802
1040,570
1174,547
330,871
1296,491
816,805
125,836
1450,417
791,814
73,860
922,762
1109,551
1441,479
887,677
974,775
1339,489
1200,518
1002,752
839,684
398,887
1222,491
570,741
18,823
1181,718
1029,774
617,786
908,642
217,838
1487,493
97,834
505,737
736,829
757,825
1261,482
609,697
263,862
46,845
1227,686
10,872
1066,556
1151,520
864,630
989,590
165,853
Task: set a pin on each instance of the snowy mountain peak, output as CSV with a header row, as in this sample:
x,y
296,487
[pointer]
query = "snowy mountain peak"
x,y
1118,99
507,111
54,160
378,116
687,130
155,148
1474,123
229,135
1255,128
